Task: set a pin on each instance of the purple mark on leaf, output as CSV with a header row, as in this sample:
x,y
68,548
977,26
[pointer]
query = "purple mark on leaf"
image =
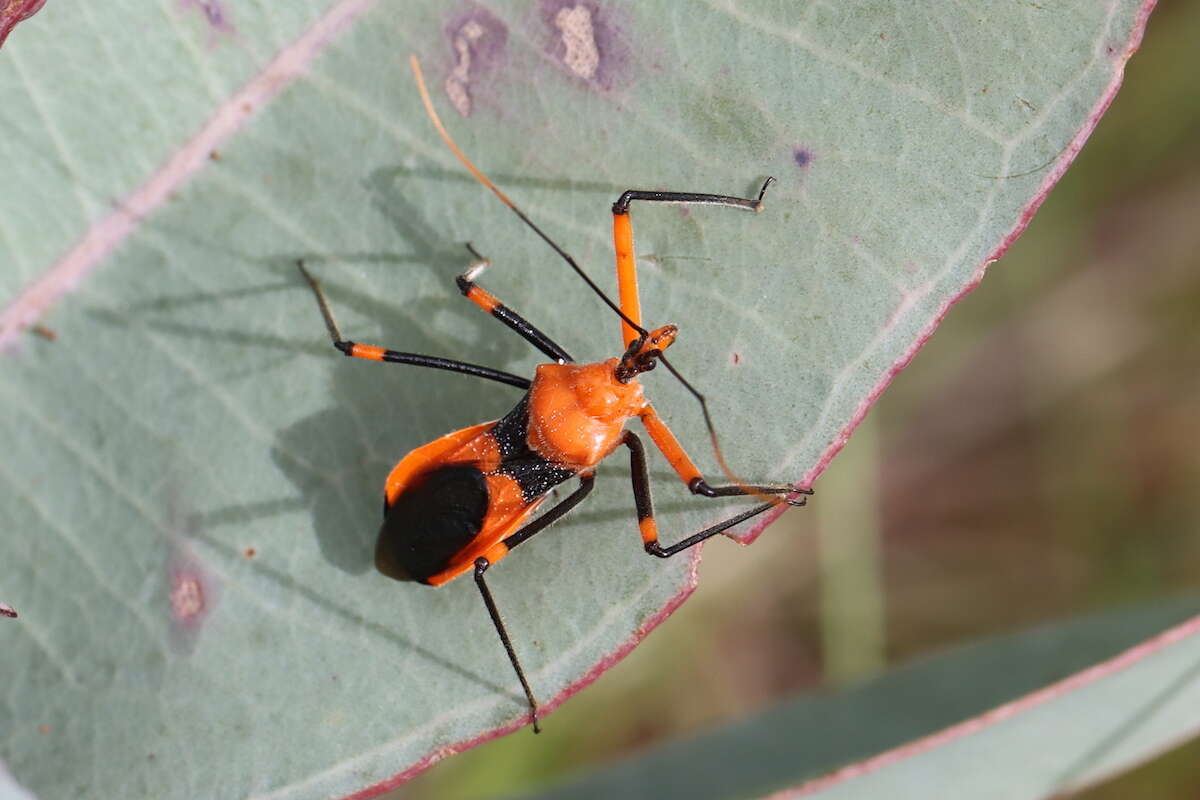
x,y
802,156
586,40
477,41
214,13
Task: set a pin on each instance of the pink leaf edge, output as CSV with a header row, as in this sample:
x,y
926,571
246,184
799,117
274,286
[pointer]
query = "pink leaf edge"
x,y
15,11
1057,169
566,694
107,233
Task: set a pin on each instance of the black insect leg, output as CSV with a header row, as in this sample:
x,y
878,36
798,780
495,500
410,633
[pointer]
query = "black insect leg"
x,y
514,321
481,566
691,198
374,353
645,506
586,482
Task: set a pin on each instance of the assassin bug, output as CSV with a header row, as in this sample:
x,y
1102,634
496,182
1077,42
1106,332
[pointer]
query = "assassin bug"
x,y
460,503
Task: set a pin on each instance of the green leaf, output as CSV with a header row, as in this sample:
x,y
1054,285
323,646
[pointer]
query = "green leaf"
x,y
1075,730
191,475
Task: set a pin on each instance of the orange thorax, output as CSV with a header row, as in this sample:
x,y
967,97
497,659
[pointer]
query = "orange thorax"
x,y
577,412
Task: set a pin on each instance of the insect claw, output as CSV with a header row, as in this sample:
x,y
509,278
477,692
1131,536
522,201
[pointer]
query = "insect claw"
x,y
477,266
758,204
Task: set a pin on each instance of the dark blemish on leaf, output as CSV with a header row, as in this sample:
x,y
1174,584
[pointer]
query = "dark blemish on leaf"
x,y
15,11
477,41
737,359
802,156
585,39
7,611
43,728
214,155
214,14
44,332
250,552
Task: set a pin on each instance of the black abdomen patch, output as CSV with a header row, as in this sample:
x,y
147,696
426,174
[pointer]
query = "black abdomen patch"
x,y
431,521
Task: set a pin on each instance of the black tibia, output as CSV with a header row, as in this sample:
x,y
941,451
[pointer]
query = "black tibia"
x,y
481,566
700,486
586,481
751,203
396,357
510,318
645,506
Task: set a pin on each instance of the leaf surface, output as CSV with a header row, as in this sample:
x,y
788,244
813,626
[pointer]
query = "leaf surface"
x,y
192,477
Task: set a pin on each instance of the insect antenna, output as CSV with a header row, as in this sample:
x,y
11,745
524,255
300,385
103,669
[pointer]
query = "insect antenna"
x,y
479,176
419,78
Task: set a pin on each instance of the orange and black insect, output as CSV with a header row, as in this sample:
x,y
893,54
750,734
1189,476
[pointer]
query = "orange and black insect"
x,y
462,502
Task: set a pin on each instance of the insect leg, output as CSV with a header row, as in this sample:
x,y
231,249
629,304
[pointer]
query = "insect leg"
x,y
645,507
689,473
485,300
374,353
623,241
503,198
586,481
481,565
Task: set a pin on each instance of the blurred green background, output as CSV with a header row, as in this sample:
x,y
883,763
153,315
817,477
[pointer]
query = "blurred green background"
x,y
1038,460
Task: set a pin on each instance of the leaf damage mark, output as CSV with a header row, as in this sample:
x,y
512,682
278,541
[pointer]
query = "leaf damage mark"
x,y
214,14
7,611
191,595
586,41
579,40
187,596
477,40
15,11
802,156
